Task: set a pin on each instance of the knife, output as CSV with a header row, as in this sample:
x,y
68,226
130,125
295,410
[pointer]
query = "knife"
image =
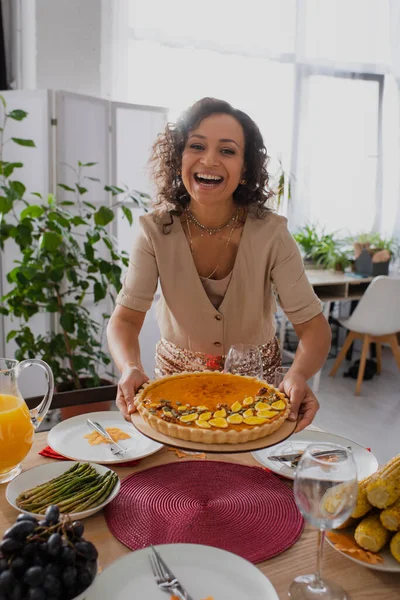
x,y
298,455
114,447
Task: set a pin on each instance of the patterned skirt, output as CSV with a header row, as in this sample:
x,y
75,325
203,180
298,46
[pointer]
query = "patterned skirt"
x,y
173,359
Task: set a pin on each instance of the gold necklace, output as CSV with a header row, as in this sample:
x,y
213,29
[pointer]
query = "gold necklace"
x,y
211,230
223,249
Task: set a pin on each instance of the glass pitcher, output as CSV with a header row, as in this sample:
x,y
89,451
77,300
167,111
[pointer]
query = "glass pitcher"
x,y
17,422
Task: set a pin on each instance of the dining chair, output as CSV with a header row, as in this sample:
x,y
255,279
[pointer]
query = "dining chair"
x,y
375,319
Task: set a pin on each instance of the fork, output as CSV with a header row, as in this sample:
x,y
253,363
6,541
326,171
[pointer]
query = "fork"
x,y
164,577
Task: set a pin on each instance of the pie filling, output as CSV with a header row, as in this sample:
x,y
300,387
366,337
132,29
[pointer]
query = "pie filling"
x,y
211,401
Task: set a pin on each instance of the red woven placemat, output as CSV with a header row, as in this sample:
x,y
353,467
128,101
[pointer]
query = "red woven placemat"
x,y
244,510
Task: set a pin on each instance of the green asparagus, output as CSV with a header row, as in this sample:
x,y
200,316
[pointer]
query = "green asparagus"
x,y
76,490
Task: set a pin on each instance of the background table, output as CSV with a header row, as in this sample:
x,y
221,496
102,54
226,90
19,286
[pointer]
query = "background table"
x,y
362,583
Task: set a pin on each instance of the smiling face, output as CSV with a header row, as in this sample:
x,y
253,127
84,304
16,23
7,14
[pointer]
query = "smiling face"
x,y
213,160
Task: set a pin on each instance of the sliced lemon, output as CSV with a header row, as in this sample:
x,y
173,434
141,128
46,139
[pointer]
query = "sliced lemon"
x,y
205,416
262,406
182,408
255,421
188,418
168,413
201,408
266,414
236,406
220,413
248,401
248,413
235,419
279,405
219,422
203,424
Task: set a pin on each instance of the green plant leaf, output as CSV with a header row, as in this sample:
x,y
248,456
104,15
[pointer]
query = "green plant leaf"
x,y
8,168
78,221
37,194
65,187
54,216
18,188
128,214
103,216
92,178
33,211
17,114
5,204
21,142
99,291
66,203
113,189
3,101
91,206
67,322
11,335
50,241
89,164
82,190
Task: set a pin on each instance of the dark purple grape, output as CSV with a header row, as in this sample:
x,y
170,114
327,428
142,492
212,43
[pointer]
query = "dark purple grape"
x,y
69,576
43,523
52,514
36,593
87,550
52,585
53,569
68,555
54,544
6,581
20,531
17,592
18,566
30,549
3,565
23,517
10,546
34,576
77,529
85,578
92,566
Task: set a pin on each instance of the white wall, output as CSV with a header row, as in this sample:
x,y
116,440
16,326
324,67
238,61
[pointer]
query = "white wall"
x,y
68,45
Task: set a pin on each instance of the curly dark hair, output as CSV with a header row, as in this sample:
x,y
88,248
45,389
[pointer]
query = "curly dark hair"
x,y
167,153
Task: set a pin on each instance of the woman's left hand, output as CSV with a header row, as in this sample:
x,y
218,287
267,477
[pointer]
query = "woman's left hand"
x,y
304,404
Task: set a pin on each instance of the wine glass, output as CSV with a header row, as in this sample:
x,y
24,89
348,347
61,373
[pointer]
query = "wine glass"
x,y
279,374
325,493
244,359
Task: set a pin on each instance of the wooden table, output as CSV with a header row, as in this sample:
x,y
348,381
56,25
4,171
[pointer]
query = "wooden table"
x,y
362,583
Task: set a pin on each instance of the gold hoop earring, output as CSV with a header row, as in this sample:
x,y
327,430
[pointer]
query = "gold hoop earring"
x,y
243,182
178,173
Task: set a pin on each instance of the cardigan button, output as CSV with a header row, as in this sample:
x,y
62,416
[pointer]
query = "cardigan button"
x,y
218,344
218,317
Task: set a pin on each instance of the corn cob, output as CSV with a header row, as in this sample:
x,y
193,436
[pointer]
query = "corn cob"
x,y
395,546
370,534
350,522
390,517
362,504
384,486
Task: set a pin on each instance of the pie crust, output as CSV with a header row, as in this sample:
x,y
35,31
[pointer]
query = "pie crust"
x,y
163,402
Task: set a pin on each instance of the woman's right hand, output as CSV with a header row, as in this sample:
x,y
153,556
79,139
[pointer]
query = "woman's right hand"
x,y
131,379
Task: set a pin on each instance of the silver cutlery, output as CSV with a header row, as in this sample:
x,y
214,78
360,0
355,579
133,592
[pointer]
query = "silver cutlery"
x,y
295,457
115,448
164,577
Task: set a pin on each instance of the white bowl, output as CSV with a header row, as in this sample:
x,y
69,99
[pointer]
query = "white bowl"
x,y
38,475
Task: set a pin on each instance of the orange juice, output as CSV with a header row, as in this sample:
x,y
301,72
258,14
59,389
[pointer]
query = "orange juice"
x,y
16,431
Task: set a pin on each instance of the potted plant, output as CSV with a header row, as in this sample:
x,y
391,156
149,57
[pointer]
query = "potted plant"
x,y
322,250
67,256
373,253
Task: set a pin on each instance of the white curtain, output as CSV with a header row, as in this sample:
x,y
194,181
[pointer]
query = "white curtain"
x,y
317,77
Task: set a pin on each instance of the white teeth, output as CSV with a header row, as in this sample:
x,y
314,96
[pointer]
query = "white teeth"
x,y
211,177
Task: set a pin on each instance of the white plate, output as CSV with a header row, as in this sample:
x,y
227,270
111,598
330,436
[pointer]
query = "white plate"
x,y
202,570
37,475
365,461
67,438
390,564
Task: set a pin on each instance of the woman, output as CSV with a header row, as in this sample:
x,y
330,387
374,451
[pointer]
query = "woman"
x,y
220,254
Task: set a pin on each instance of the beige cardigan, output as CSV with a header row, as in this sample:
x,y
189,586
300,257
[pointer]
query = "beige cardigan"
x,y
267,256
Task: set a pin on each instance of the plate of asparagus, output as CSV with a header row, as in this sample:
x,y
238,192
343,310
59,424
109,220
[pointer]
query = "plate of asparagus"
x,y
79,489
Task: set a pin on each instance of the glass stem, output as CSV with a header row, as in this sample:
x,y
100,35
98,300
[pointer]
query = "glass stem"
x,y
318,574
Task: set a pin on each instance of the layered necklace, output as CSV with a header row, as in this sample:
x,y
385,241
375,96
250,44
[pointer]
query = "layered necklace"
x,y
211,230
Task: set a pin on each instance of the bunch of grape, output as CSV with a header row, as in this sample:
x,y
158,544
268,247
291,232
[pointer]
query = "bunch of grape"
x,y
45,560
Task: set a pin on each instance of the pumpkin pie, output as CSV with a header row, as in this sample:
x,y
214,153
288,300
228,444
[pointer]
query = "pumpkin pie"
x,y
212,407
